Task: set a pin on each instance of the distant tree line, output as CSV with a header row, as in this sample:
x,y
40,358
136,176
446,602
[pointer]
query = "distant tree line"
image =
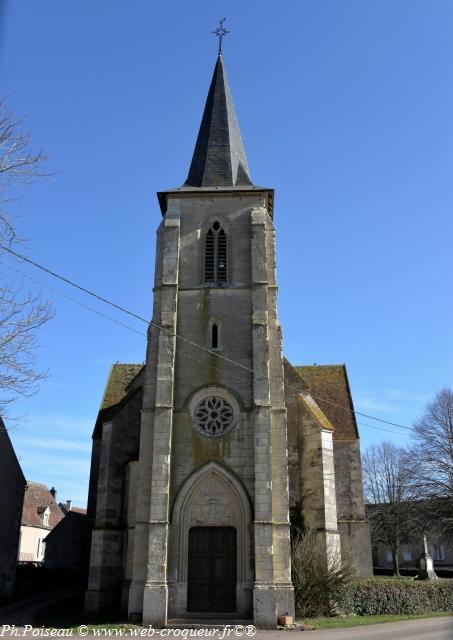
x,y
410,489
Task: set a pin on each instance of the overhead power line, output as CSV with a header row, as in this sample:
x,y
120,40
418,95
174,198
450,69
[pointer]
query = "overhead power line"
x,y
379,428
81,304
73,284
173,334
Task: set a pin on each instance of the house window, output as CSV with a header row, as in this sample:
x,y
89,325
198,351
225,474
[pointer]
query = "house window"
x,y
215,255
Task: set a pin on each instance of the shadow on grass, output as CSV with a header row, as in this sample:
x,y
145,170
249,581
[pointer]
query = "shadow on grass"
x,y
68,613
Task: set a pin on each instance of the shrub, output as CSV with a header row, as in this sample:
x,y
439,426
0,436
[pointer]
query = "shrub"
x,y
318,585
396,597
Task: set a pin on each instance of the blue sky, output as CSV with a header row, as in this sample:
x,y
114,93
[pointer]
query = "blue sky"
x,y
345,108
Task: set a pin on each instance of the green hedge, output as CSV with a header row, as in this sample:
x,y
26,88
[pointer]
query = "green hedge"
x,y
379,597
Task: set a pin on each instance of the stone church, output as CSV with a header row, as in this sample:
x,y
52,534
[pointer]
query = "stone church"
x,y
199,455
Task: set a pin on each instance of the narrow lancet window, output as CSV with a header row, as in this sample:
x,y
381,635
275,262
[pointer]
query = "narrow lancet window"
x,y
215,259
214,336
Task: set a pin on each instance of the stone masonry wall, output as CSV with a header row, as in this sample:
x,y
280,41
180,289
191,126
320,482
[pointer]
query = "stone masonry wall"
x,y
348,477
120,443
195,369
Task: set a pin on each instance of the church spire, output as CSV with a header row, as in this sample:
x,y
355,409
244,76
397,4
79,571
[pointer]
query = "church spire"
x,y
219,157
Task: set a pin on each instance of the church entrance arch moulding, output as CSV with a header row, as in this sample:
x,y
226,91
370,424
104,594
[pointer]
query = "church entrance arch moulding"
x,y
212,496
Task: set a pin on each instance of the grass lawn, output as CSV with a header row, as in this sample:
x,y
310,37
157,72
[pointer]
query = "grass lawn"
x,y
69,613
357,621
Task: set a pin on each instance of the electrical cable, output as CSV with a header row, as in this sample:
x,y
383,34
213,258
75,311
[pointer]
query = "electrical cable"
x,y
175,335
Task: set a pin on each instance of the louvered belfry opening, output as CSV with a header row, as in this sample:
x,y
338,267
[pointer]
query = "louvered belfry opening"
x,y
209,256
215,261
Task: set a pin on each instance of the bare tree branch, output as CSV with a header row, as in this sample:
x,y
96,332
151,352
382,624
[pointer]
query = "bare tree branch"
x,y
21,313
389,489
432,456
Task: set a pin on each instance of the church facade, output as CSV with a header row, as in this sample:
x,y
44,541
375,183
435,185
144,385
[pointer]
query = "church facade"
x,y
199,455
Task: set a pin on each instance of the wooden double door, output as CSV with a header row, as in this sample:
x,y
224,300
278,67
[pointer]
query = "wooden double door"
x,y
212,570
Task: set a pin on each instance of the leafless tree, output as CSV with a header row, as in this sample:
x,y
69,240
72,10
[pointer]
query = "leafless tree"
x,y
388,487
317,583
21,313
432,457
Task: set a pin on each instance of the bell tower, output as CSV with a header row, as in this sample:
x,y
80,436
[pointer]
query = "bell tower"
x,y
212,514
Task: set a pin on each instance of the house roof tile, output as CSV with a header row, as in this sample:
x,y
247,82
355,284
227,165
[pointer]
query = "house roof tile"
x,y
37,498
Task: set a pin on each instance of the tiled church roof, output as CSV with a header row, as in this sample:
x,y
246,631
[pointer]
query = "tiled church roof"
x,y
329,387
121,375
120,379
328,384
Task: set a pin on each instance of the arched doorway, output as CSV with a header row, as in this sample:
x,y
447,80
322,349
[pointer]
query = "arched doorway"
x,y
209,561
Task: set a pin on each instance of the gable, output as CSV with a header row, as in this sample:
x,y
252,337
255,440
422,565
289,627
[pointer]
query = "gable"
x,y
123,382
329,386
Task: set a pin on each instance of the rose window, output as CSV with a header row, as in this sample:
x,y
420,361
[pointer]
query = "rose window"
x,y
213,416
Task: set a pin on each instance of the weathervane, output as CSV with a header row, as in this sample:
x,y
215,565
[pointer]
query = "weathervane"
x,y
220,32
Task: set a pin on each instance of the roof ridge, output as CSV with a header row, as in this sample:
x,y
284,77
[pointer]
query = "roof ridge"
x,y
128,364
306,366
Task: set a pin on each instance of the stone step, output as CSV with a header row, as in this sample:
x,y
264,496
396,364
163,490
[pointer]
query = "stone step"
x,y
214,622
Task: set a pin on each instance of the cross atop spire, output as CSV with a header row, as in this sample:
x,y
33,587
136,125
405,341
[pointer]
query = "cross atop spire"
x,y
220,32
219,157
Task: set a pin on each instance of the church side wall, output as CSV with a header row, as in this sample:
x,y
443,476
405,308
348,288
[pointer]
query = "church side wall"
x,y
356,542
120,442
348,478
129,508
293,384
354,528
94,476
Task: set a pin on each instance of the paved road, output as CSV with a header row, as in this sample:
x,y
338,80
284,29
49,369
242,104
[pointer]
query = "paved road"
x,y
422,629
425,629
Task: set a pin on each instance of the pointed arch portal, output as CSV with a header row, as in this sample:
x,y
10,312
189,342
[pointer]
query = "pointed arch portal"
x,y
212,504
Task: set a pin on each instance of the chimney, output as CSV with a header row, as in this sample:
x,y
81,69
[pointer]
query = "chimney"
x,y
68,505
53,493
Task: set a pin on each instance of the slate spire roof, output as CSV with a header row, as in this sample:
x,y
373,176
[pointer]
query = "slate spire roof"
x,y
219,157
